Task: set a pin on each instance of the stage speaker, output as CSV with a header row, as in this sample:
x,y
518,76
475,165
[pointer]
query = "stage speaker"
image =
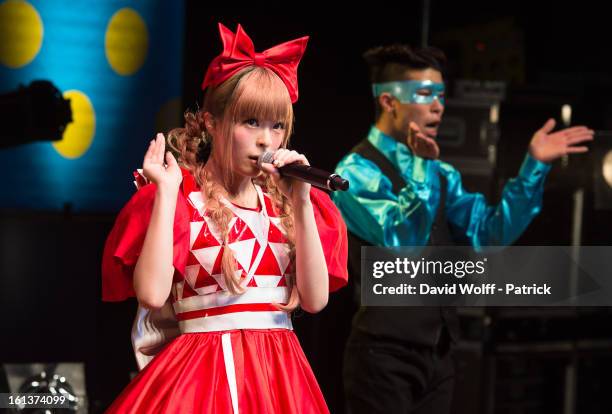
x,y
468,138
61,379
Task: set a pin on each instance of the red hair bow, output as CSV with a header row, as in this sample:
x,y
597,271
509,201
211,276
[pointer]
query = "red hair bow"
x,y
239,53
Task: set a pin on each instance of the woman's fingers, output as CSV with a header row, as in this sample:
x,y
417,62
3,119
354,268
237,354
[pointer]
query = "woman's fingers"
x,y
170,160
279,157
269,168
284,157
160,148
301,159
156,151
150,150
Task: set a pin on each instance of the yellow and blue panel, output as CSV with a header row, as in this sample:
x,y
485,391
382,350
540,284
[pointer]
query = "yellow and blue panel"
x,y
120,65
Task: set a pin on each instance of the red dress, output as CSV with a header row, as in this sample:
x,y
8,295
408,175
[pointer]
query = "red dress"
x,y
217,352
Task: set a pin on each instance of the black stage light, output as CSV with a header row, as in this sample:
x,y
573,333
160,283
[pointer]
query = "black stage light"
x,y
37,112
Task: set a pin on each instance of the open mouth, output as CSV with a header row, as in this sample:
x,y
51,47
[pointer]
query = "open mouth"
x,y
254,159
431,129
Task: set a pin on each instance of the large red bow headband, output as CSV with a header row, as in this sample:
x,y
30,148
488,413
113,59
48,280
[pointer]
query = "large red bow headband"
x,y
239,53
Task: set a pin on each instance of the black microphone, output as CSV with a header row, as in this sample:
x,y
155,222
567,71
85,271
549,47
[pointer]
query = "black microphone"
x,y
306,173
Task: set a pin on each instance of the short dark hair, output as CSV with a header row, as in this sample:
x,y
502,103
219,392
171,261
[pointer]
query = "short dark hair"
x,y
389,63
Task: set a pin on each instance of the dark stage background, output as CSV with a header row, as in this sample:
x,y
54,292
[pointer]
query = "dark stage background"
x,y
50,307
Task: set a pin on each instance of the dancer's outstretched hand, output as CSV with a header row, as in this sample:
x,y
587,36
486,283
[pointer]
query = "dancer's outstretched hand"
x,y
547,146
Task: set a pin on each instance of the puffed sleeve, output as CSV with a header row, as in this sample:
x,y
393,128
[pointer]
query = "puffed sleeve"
x,y
332,232
126,238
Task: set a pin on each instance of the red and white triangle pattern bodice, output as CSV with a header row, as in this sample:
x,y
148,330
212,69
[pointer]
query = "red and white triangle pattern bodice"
x,y
259,245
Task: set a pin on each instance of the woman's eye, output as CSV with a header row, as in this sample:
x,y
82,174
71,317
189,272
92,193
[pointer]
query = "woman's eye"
x,y
424,92
279,125
252,122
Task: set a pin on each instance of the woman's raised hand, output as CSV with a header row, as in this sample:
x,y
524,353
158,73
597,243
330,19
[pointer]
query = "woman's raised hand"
x,y
160,167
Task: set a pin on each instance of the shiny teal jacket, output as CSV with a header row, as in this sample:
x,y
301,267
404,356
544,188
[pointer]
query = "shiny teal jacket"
x,y
374,213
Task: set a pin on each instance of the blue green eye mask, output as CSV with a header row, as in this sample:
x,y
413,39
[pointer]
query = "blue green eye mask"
x,y
412,91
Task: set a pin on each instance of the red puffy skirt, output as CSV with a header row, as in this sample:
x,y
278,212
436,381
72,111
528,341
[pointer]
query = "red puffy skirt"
x,y
240,371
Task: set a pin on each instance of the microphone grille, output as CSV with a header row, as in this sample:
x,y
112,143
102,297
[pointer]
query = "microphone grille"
x,y
267,157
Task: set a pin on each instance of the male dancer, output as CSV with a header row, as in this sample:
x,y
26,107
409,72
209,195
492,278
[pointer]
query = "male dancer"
x,y
398,359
